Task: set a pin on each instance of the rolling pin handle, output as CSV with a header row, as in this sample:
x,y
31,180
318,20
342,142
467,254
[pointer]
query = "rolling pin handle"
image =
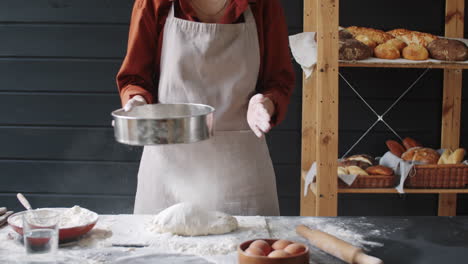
x,y
362,258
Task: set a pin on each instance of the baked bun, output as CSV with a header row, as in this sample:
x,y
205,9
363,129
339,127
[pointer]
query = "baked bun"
x,y
386,51
362,157
411,143
448,50
366,40
376,35
395,148
444,158
343,34
412,37
400,45
379,170
342,171
361,164
351,49
423,155
355,170
415,52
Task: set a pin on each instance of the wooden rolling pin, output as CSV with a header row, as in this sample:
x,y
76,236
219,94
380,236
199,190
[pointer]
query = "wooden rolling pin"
x,y
336,247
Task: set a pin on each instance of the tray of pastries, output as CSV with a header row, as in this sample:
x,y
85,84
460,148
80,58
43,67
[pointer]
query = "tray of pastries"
x,y
369,173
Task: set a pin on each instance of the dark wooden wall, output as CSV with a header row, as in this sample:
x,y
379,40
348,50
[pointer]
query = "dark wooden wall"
x,y
58,60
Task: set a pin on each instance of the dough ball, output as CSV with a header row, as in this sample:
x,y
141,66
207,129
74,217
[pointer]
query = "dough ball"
x,y
295,249
261,244
279,254
281,244
188,219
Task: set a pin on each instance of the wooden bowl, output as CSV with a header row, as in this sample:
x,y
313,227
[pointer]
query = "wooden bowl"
x,y
302,258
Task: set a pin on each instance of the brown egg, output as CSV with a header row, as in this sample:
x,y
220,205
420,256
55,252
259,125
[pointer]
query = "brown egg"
x,y
263,245
281,244
279,254
295,248
254,251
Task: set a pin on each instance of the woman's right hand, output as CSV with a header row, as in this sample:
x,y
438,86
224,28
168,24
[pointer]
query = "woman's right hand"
x,y
137,100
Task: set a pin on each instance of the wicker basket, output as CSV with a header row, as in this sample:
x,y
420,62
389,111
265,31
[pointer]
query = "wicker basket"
x,y
438,176
371,181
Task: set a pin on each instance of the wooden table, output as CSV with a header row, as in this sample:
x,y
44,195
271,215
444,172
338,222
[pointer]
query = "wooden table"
x,y
414,240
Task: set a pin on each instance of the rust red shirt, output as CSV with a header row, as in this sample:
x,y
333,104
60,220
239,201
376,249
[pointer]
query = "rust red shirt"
x,y
139,74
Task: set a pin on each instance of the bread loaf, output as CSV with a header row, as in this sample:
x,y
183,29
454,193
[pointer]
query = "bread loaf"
x,y
412,37
361,164
386,51
379,170
448,50
415,52
355,170
452,157
342,171
457,156
423,155
395,148
362,157
400,45
366,40
351,49
411,143
376,35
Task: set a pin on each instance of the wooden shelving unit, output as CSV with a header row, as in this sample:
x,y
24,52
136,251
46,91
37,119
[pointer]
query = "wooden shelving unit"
x,y
320,97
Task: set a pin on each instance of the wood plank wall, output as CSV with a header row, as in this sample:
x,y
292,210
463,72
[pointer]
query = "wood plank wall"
x,y
58,60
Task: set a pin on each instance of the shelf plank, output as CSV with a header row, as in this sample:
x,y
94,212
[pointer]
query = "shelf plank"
x,y
444,65
327,92
309,128
313,188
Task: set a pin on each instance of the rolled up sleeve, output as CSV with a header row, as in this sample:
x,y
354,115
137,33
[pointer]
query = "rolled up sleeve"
x,y
278,77
135,76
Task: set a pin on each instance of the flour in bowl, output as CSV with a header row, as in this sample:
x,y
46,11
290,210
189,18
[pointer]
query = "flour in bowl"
x,y
69,217
76,216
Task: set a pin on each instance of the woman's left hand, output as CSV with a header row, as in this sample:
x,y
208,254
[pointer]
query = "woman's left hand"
x,y
259,114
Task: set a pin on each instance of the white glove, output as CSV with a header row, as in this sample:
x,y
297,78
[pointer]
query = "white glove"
x,y
259,114
137,100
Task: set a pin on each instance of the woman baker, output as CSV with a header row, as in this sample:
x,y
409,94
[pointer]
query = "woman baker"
x,y
229,54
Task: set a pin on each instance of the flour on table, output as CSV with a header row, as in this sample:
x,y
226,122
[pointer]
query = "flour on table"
x,y
188,219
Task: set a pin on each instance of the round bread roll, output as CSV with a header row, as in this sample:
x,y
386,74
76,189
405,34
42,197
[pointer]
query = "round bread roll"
x,y
415,52
448,50
366,40
386,51
423,155
344,34
351,49
400,45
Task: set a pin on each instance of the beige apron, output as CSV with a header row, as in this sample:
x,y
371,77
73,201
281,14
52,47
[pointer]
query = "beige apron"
x,y
218,65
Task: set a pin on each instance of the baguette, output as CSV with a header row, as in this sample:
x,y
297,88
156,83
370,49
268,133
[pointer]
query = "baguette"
x,y
395,148
412,37
457,156
444,158
411,143
376,35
